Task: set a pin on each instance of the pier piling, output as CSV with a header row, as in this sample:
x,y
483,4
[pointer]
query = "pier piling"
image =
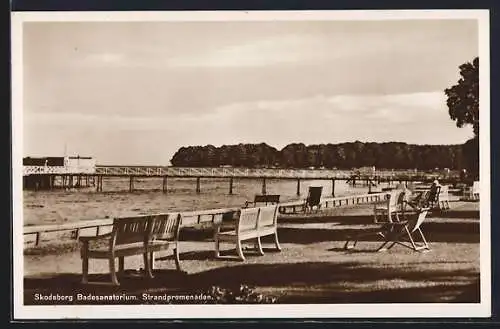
x,y
231,185
131,184
198,188
264,186
298,186
99,183
333,187
164,185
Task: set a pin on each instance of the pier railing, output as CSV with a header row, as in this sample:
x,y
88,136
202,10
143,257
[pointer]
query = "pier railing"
x,y
33,235
220,172
56,170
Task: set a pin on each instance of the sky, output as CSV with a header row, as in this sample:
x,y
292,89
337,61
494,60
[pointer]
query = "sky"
x,y
135,92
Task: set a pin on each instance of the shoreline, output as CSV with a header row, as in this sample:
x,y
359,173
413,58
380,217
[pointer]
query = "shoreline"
x,y
35,235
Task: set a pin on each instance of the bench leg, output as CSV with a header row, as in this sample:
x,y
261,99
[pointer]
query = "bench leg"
x,y
259,247
112,271
85,269
121,264
152,260
85,262
147,265
217,247
276,241
239,250
177,258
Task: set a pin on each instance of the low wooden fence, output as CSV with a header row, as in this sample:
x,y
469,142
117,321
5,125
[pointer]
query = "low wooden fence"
x,y
36,235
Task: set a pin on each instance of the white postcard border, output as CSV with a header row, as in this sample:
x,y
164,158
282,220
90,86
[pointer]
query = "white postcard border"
x,y
483,309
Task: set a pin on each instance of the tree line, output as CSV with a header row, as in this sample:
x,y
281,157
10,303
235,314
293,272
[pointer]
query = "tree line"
x,y
463,108
391,155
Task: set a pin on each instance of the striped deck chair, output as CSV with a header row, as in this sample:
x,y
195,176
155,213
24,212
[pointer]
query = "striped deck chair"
x,y
389,208
472,192
444,198
407,233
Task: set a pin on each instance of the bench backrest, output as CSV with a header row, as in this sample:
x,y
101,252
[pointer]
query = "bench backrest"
x,y
268,216
130,230
165,227
267,198
248,219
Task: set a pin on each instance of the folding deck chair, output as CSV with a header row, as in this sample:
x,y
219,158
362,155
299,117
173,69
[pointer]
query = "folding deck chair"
x,y
390,207
444,198
472,192
313,198
406,233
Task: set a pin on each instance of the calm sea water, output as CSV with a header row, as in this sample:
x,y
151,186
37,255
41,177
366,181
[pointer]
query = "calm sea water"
x,y
59,206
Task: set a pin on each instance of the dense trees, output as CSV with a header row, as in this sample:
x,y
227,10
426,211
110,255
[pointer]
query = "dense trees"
x,y
463,98
463,107
342,156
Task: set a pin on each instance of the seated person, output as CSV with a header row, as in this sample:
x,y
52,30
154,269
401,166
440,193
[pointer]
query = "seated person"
x,y
422,199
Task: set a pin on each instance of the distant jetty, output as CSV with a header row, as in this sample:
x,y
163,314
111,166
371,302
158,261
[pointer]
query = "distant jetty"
x,y
82,172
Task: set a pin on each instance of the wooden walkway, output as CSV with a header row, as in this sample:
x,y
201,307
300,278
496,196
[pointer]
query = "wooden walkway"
x,y
40,177
157,171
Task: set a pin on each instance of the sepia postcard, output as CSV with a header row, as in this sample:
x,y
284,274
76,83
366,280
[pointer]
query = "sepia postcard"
x,y
251,164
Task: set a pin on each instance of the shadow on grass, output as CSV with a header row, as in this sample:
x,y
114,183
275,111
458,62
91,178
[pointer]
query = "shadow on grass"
x,y
434,232
461,232
367,219
462,214
307,282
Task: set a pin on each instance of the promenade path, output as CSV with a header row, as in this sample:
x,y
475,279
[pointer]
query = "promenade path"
x,y
312,268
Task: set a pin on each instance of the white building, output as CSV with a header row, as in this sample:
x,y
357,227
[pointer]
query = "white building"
x,y
78,164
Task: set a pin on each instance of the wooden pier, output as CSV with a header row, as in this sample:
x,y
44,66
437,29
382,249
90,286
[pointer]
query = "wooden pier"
x,y
40,177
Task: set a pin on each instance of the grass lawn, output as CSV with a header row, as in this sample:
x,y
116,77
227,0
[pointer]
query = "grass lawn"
x,y
312,268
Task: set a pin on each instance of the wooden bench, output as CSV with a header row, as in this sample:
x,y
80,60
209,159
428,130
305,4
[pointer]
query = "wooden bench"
x,y
143,235
263,198
252,223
